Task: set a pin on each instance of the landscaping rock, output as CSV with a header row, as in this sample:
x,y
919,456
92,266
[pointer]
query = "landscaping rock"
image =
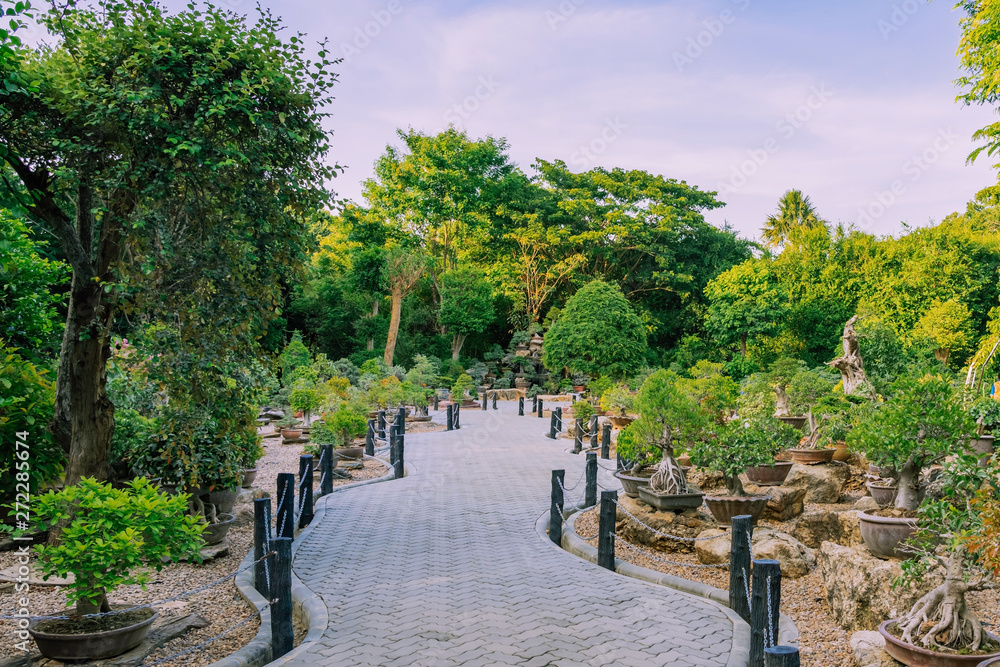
x,y
713,552
869,650
706,480
814,528
865,504
859,586
687,524
785,503
824,483
796,559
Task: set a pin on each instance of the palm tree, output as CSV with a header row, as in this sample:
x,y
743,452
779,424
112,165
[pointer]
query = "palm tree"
x,y
795,210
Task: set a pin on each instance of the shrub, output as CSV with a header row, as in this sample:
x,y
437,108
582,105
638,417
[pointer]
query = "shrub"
x,y
739,445
583,410
463,384
617,400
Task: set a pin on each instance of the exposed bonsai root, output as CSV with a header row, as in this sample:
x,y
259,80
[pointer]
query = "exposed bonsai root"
x,y
668,478
953,626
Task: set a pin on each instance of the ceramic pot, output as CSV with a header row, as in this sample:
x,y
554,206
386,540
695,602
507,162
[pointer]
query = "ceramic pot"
x,y
249,475
724,508
772,475
670,502
812,456
841,452
882,494
795,422
916,656
883,535
631,483
216,532
90,645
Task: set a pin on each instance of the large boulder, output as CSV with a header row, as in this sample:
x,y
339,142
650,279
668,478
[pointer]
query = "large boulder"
x,y
795,558
859,586
686,524
713,552
785,502
869,650
814,528
824,483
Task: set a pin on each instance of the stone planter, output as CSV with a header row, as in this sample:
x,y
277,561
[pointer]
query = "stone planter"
x,y
291,433
915,656
794,422
350,453
883,535
882,494
621,422
772,475
812,456
223,500
249,475
670,502
631,484
841,452
522,383
91,645
724,508
216,532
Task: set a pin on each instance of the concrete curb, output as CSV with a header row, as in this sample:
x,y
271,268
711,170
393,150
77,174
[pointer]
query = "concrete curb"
x,y
304,601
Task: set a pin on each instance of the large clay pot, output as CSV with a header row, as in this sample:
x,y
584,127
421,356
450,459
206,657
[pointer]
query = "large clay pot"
x,y
794,422
812,456
670,502
916,656
249,475
772,475
724,508
216,532
841,452
631,483
350,453
882,494
883,535
91,645
291,433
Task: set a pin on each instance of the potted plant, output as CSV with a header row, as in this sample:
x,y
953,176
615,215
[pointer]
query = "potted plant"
x,y
616,401
986,412
519,343
250,451
596,389
733,448
668,416
956,533
579,382
305,399
460,390
347,424
108,538
922,422
810,393
583,411
779,377
286,426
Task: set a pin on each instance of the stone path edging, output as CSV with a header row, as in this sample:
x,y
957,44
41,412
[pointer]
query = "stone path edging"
x,y
788,633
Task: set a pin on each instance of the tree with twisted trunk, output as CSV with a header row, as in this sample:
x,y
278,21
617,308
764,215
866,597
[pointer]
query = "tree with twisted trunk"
x,y
404,268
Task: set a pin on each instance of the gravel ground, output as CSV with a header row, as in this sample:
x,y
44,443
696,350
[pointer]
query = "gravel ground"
x,y
220,605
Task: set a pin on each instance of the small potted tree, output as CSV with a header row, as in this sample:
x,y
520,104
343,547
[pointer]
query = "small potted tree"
x,y
616,402
460,390
986,412
733,448
595,389
108,537
286,426
922,422
305,399
810,393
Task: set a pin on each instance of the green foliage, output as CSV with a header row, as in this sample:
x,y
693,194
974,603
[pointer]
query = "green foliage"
x,y
948,325
582,410
385,393
345,425
424,371
667,416
294,356
795,212
710,388
745,302
306,399
112,537
598,334
599,386
131,436
466,301
618,399
807,389
883,353
462,385
742,444
986,411
978,53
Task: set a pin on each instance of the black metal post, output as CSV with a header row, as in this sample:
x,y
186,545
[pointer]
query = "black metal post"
x,y
552,426
766,602
556,508
381,424
577,436
494,400
305,490
450,419
397,465
520,406
590,499
739,565
370,438
781,656
541,408
401,421
326,474
534,403
286,505
606,442
282,632
606,530
261,540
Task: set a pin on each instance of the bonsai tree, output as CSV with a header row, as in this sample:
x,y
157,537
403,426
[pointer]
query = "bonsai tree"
x,y
583,411
780,376
347,424
667,415
306,399
478,372
714,391
811,393
110,537
462,386
986,412
287,422
597,333
742,444
596,388
922,422
617,400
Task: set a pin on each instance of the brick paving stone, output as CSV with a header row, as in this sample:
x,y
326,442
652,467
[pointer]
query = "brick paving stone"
x,y
445,567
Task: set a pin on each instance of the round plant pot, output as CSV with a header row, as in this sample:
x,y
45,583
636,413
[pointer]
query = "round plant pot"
x,y
883,535
724,508
916,656
670,502
841,452
882,494
794,422
223,500
621,422
990,662
249,475
352,453
984,445
91,645
521,383
291,433
216,532
812,456
578,388
772,475
631,483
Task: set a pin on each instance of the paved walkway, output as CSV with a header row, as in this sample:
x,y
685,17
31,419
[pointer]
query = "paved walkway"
x,y
445,567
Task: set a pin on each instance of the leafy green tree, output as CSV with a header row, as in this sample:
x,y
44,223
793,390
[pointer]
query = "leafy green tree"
x,y
742,444
977,51
598,333
745,302
948,325
466,305
403,268
711,389
294,356
174,157
795,211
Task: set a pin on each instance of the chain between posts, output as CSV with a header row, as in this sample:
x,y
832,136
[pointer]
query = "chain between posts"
x,y
209,640
667,535
643,552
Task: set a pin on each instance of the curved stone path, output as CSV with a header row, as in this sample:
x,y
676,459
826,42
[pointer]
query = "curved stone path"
x,y
445,567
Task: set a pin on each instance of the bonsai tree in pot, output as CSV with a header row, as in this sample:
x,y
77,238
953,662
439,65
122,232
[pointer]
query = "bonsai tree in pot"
x,y
463,385
617,401
711,389
109,537
305,398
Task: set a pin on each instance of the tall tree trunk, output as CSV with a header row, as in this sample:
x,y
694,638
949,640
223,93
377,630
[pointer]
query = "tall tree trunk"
x,y
371,339
397,307
942,354
743,345
457,341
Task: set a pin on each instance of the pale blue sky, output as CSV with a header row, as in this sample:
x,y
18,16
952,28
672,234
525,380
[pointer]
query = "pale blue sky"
x,y
742,96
